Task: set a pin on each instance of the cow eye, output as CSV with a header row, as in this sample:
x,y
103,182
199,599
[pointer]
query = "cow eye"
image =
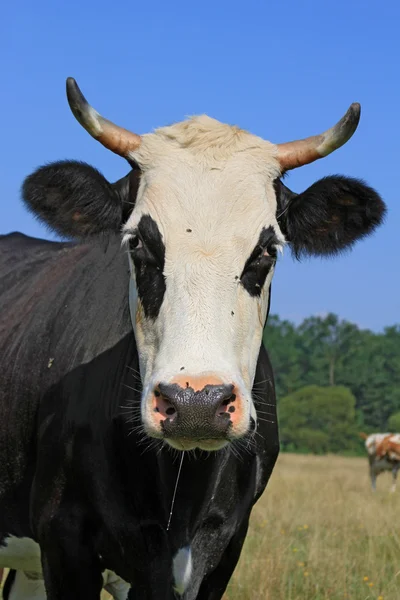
x,y
270,251
262,253
135,243
143,254
262,260
257,267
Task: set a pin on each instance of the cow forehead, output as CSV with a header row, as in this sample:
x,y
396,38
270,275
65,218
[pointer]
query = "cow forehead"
x,y
208,179
207,139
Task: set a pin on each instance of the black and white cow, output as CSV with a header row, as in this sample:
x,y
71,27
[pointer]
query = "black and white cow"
x,y
138,424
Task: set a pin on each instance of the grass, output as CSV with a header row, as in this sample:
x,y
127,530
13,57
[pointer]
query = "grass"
x,y
319,533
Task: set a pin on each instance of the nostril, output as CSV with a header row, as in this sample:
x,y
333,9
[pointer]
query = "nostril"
x,y
231,398
163,406
225,415
223,409
228,414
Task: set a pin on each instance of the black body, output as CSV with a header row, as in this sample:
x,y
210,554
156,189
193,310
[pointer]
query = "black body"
x,y
77,473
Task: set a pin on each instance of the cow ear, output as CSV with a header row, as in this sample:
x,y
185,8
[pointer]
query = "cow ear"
x,y
330,216
75,200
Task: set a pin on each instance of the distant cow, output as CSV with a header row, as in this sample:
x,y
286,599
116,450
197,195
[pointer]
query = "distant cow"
x,y
118,360
383,455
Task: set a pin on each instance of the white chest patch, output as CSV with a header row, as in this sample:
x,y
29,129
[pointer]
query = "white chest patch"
x,y
21,554
182,569
117,587
26,587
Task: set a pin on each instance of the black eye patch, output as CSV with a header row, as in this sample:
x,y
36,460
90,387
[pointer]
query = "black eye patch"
x,y
260,262
148,254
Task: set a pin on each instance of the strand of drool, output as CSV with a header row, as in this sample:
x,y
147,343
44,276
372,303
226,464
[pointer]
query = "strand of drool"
x,y
176,487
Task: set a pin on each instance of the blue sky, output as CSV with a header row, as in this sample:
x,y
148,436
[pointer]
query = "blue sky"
x,y
283,70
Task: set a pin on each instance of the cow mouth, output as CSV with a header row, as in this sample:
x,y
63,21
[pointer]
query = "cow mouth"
x,y
187,444
185,441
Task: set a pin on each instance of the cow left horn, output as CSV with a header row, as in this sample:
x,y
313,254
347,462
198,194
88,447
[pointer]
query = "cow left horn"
x,y
301,152
118,140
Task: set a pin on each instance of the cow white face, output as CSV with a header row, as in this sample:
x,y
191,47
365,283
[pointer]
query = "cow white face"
x,y
203,238
203,242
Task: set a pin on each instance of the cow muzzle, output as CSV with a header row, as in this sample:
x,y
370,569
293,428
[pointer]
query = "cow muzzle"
x,y
189,418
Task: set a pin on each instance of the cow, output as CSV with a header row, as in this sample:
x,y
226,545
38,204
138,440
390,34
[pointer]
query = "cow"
x,y
383,455
138,414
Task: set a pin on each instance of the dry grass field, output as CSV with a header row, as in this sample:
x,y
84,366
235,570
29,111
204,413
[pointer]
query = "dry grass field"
x,y
319,533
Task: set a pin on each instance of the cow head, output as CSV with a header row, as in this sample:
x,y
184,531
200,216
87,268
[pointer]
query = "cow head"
x,y
203,215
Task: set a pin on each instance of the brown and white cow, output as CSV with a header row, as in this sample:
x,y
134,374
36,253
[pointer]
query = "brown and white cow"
x,y
383,455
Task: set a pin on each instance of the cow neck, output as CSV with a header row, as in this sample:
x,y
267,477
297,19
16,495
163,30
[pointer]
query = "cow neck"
x,y
167,482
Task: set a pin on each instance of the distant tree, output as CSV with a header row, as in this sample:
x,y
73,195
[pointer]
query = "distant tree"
x,y
326,341
319,420
394,423
373,374
282,341
327,351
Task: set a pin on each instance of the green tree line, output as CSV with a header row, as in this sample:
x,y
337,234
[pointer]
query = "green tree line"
x,y
333,380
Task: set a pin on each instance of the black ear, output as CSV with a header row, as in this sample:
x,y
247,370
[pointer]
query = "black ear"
x,y
76,201
329,216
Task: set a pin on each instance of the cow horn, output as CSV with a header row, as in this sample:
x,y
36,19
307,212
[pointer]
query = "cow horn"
x,y
118,140
302,152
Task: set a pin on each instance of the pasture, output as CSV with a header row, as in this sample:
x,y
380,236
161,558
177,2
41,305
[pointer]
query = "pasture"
x,y
319,533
